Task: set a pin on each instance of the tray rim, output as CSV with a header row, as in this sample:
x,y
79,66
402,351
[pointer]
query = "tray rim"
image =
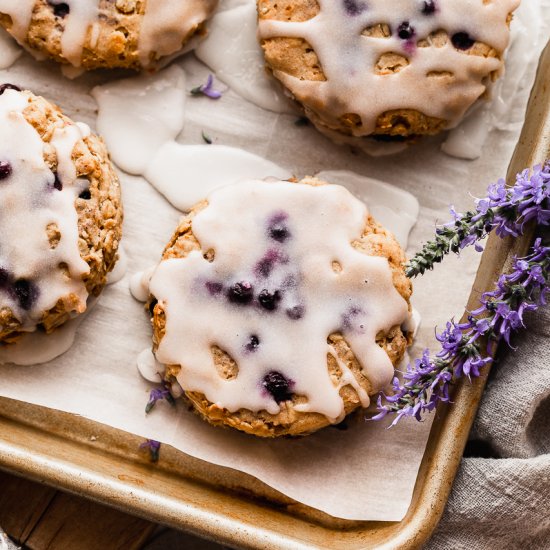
x,y
227,517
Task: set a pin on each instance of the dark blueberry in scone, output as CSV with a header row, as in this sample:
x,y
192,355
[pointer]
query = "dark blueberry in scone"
x,y
462,41
60,9
279,233
405,31
253,343
278,386
428,7
5,170
269,300
57,183
26,293
152,305
4,277
241,293
7,86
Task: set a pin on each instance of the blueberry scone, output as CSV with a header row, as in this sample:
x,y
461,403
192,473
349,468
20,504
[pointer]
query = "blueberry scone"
x,y
95,34
278,306
61,216
389,70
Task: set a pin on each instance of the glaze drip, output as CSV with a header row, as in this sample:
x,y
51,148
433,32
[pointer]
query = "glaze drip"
x,y
271,296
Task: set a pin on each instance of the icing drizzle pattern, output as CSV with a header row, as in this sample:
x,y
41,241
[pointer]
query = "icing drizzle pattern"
x,y
163,28
34,199
271,297
441,82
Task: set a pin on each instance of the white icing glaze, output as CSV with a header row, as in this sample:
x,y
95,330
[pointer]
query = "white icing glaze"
x,y
185,174
34,348
121,266
467,140
149,368
30,202
348,58
38,347
139,119
360,301
139,284
232,51
164,26
9,50
394,208
138,115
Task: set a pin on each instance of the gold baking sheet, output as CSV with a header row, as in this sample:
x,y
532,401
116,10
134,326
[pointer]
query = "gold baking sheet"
x,y
103,464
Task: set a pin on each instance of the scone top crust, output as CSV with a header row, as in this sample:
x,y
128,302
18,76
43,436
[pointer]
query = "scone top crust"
x,y
60,220
280,304
106,33
399,68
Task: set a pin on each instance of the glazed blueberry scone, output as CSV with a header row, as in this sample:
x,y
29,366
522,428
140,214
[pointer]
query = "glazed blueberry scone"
x,y
389,70
94,34
61,215
278,307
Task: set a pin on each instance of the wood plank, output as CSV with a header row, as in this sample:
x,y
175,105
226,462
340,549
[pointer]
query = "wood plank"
x,y
78,524
22,504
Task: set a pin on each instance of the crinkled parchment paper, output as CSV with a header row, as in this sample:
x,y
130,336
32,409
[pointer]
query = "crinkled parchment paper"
x,y
367,472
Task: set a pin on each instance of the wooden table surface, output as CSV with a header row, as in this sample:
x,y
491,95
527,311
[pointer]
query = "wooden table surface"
x,y
41,518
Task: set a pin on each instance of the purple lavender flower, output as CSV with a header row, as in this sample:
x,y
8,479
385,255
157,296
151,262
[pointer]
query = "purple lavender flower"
x,y
157,394
505,209
207,89
154,449
467,347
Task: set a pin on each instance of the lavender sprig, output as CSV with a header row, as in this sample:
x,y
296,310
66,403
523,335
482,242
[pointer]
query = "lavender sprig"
x,y
505,209
207,89
157,394
427,381
154,449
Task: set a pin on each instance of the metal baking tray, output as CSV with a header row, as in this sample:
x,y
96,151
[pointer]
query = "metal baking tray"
x,y
103,464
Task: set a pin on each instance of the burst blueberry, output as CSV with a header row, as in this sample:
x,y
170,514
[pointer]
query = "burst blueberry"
x,y
462,41
213,287
269,300
241,293
5,170
265,266
295,313
86,195
354,7
26,293
278,386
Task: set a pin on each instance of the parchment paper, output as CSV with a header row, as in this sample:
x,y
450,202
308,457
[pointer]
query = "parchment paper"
x,y
368,472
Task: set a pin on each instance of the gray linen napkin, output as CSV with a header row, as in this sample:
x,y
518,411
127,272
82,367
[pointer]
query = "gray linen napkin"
x,y
501,496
